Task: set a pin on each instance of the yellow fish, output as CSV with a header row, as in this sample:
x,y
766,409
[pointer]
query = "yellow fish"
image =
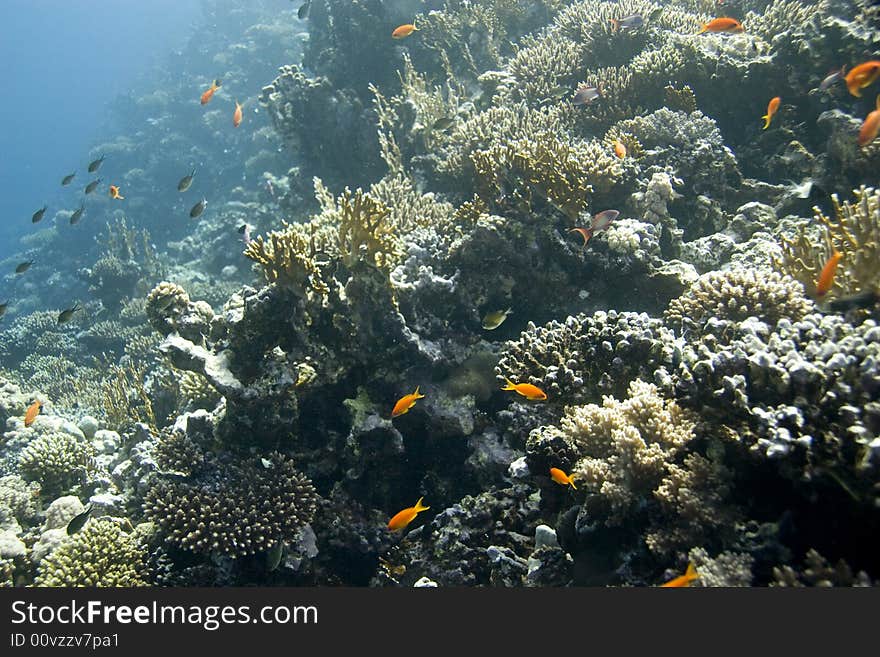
x,y
492,320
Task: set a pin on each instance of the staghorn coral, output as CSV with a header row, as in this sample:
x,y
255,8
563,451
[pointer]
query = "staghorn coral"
x,y
56,460
854,232
233,509
587,355
100,555
125,398
735,295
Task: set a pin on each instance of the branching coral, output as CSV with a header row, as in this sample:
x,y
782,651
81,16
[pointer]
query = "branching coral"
x,y
233,509
100,554
290,257
56,460
854,233
587,355
364,229
817,571
737,294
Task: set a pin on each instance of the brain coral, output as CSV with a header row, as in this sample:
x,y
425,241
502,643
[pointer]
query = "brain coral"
x,y
100,554
235,508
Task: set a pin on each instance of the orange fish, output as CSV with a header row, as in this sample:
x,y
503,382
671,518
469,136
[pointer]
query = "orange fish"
x,y
684,580
560,477
236,115
870,127
404,31
772,107
619,149
405,403
403,518
114,193
862,76
826,276
32,412
209,93
722,25
527,390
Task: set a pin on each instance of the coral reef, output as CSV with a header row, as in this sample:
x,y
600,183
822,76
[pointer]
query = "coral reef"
x,y
99,555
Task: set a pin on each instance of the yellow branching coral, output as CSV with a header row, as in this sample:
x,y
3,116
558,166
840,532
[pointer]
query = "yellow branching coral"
x,y
364,230
290,257
854,232
563,173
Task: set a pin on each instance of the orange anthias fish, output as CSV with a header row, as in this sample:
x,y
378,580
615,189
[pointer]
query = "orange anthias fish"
x,y
403,518
619,149
560,477
405,403
722,25
236,115
826,276
870,127
32,412
772,107
404,31
862,76
527,390
209,92
114,193
684,580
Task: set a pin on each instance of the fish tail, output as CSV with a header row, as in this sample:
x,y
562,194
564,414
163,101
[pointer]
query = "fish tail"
x,y
218,83
416,393
766,118
615,25
421,507
508,384
878,101
571,481
691,572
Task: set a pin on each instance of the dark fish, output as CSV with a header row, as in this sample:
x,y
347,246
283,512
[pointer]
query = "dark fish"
x,y
185,182
602,220
585,95
77,214
3,307
23,266
443,123
77,522
866,299
303,11
633,22
67,314
92,186
66,179
94,165
38,215
831,78
198,208
273,556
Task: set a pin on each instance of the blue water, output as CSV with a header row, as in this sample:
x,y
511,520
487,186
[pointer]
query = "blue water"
x,y
63,63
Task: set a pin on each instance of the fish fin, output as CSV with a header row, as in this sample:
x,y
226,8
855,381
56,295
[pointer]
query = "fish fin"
x,y
508,384
571,481
419,506
416,394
